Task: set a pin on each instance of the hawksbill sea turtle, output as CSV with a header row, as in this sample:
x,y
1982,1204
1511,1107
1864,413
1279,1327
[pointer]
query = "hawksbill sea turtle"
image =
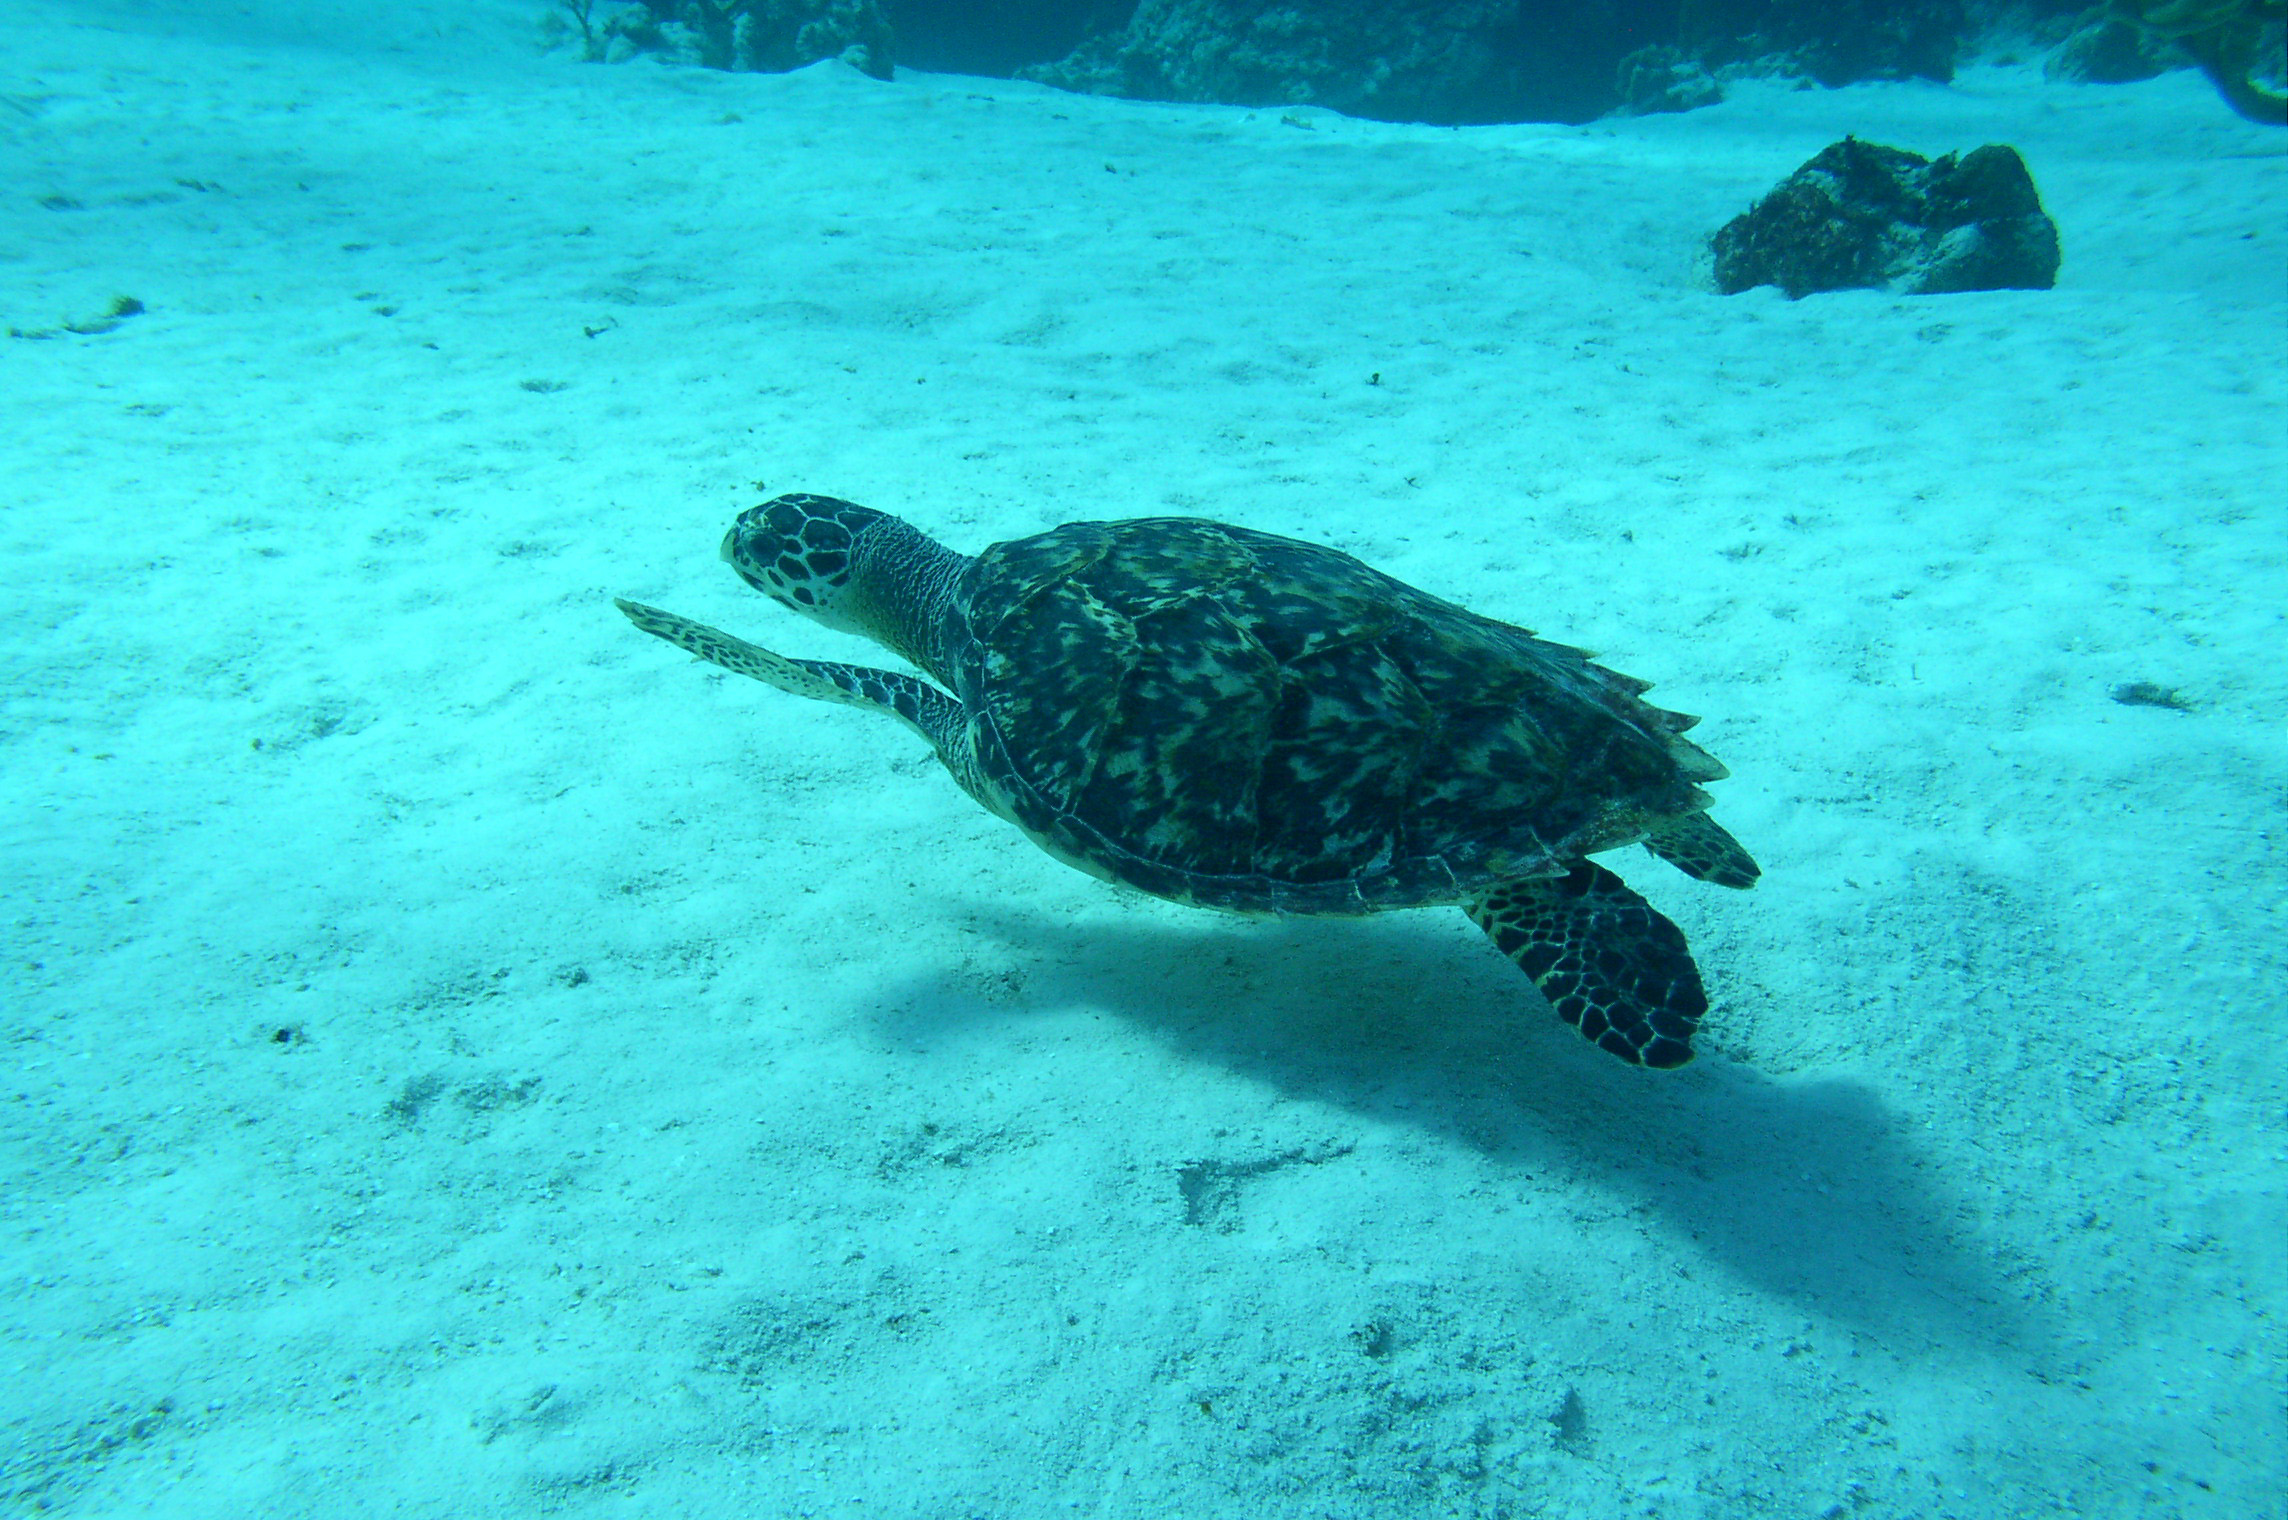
x,y
1221,717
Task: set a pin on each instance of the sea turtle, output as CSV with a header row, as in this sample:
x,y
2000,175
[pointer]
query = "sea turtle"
x,y
1225,718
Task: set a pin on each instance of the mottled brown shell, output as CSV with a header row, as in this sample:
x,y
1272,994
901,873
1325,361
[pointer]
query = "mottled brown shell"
x,y
1229,718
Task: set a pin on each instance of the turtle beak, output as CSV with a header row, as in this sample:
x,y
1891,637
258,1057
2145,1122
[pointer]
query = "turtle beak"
x,y
731,558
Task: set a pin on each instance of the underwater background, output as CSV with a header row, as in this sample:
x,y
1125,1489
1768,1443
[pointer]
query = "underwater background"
x,y
464,1059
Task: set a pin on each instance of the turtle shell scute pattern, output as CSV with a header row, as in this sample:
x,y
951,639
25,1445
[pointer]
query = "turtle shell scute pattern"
x,y
1225,717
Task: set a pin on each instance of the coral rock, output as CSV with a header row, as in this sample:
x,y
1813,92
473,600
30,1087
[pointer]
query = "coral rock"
x,y
1862,216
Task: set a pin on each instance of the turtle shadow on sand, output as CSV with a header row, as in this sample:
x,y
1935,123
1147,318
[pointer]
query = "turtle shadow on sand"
x,y
1809,1190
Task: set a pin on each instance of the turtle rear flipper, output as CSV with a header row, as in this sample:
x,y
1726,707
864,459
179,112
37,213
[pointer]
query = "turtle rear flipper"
x,y
1699,846
921,706
1609,964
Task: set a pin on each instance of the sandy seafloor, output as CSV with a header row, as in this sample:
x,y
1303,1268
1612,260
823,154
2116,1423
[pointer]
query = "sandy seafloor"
x,y
465,1059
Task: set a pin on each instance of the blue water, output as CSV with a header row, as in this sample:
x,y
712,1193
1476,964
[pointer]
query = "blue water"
x,y
465,1058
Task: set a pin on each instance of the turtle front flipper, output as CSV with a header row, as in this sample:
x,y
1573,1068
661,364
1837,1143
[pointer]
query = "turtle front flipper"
x,y
913,701
1611,966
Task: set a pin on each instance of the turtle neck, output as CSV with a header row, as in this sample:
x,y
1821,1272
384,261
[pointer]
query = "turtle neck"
x,y
905,581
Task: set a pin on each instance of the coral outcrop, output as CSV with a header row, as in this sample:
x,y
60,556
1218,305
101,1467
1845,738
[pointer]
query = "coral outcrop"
x,y
1397,60
764,36
2224,38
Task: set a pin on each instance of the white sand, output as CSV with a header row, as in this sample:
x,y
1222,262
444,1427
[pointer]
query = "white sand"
x,y
691,1104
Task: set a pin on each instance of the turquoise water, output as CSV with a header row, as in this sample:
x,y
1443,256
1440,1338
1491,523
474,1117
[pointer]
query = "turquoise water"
x,y
465,1059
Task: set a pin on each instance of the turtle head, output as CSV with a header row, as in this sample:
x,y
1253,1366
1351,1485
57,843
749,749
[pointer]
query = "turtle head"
x,y
798,551
849,567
